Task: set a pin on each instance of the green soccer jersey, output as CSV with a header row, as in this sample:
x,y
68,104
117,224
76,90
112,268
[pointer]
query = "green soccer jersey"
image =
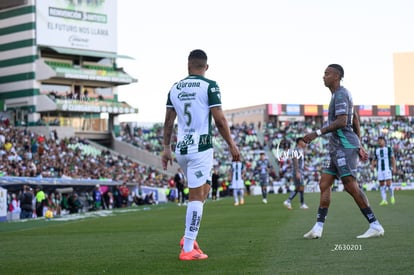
x,y
383,156
192,99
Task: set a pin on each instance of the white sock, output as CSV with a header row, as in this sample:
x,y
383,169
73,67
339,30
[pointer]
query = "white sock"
x,y
235,196
391,188
188,244
383,193
192,224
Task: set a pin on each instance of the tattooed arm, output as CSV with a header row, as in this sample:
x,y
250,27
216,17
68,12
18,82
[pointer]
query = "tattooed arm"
x,y
356,124
338,123
166,156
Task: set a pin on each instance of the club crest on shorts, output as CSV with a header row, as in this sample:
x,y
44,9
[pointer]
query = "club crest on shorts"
x,y
198,174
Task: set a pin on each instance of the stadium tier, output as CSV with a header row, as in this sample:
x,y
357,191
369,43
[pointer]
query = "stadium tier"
x,y
75,166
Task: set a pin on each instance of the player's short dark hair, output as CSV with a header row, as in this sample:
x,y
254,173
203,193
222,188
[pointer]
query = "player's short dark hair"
x,y
381,137
299,139
338,68
197,54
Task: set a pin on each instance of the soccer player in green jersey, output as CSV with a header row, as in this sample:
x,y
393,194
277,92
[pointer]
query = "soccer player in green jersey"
x,y
385,161
194,101
237,174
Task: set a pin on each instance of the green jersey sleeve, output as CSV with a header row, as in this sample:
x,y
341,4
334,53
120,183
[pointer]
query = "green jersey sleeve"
x,y
214,96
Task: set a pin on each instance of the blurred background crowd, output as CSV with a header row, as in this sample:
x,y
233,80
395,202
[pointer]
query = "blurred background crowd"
x,y
24,153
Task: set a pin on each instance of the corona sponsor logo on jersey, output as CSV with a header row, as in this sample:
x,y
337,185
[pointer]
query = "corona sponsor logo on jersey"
x,y
181,85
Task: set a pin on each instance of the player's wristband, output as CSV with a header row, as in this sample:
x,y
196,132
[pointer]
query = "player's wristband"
x,y
319,132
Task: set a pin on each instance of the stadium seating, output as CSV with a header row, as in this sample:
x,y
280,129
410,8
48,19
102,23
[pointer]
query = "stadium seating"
x,y
26,154
398,133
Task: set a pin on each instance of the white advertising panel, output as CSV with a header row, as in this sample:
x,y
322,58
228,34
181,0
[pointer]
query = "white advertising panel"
x,y
3,204
77,24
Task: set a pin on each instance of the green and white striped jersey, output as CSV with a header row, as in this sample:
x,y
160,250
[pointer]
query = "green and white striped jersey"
x,y
237,168
383,157
192,99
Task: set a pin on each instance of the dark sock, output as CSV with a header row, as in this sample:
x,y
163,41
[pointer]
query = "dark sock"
x,y
302,200
322,213
368,214
292,195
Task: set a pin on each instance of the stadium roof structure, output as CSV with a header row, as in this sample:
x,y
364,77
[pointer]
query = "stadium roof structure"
x,y
93,53
56,70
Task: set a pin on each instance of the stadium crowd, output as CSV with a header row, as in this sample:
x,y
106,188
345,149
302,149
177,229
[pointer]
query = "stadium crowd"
x,y
397,132
279,141
24,153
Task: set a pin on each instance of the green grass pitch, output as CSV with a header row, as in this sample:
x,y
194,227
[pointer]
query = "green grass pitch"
x,y
249,239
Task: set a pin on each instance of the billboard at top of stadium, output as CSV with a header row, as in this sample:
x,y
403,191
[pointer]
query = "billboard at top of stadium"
x,y
80,24
293,109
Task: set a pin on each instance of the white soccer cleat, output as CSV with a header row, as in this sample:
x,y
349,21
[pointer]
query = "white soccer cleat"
x,y
304,206
287,205
315,233
264,201
373,231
